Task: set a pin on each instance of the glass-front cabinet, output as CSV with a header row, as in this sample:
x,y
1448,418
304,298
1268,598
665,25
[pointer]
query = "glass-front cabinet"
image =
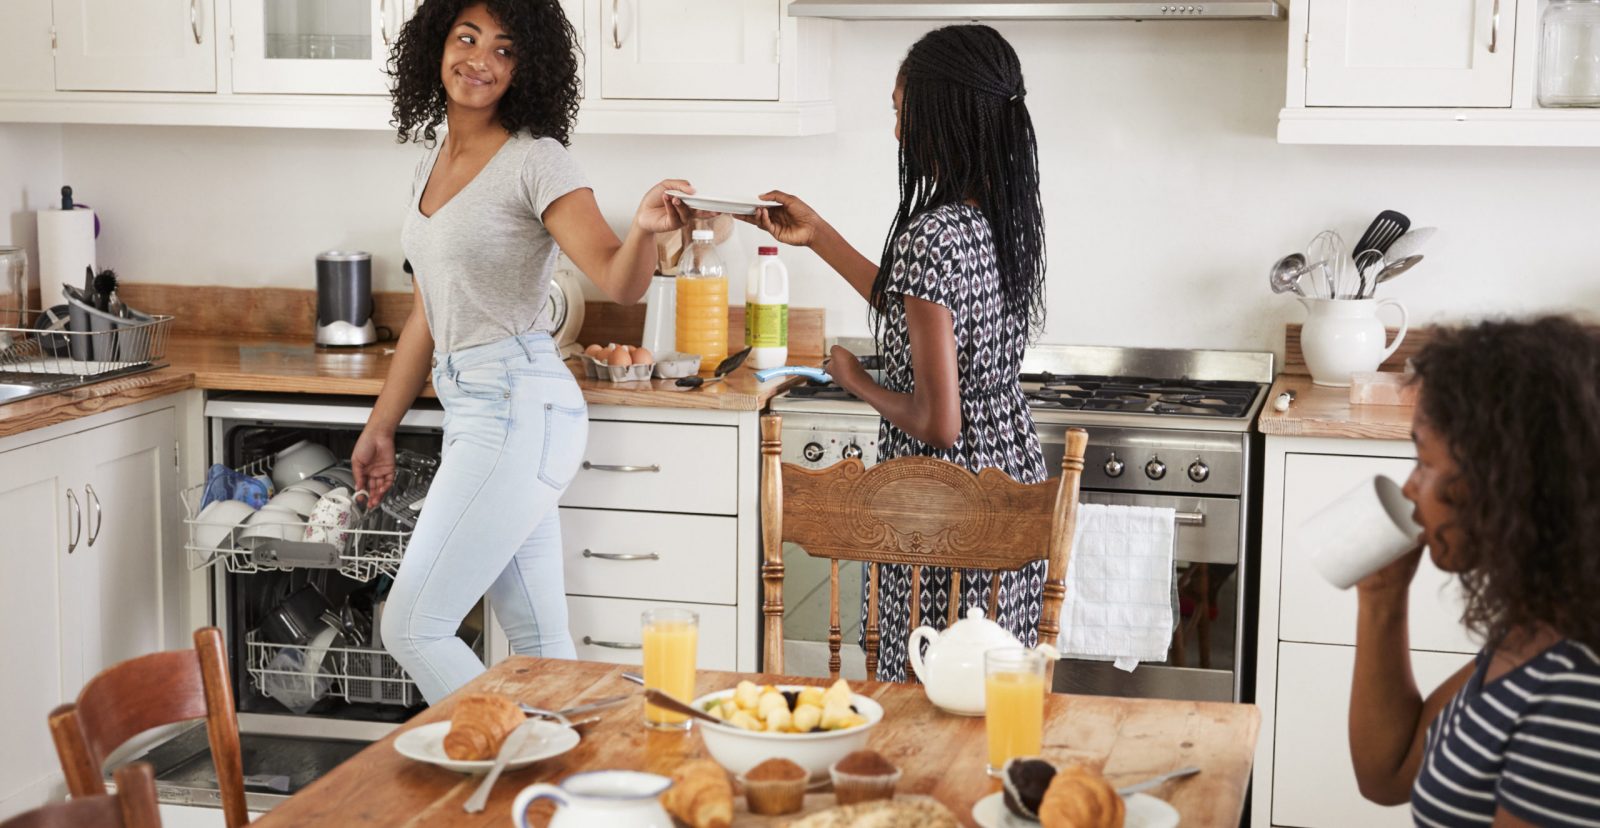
x,y
315,46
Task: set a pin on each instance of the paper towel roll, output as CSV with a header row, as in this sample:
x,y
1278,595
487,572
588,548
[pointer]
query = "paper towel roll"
x,y
66,247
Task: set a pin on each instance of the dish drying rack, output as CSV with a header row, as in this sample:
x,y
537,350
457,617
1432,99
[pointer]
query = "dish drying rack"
x,y
372,546
360,675
124,346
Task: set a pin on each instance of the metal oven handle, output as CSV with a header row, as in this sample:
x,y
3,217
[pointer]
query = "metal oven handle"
x,y
1189,518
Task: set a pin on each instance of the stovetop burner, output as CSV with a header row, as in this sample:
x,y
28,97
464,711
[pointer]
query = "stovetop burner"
x,y
1141,395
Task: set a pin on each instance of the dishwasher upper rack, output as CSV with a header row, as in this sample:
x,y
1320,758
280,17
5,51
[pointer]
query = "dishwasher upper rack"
x,y
372,546
123,346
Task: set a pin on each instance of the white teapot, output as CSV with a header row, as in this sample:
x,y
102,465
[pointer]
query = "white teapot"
x,y
952,671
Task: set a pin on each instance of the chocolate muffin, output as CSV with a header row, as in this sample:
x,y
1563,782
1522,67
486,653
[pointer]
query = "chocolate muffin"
x,y
1025,782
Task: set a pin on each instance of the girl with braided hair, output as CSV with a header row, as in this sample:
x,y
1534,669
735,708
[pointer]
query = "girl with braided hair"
x,y
955,295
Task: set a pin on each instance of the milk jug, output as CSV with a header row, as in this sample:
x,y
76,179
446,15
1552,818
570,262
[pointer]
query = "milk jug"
x,y
766,310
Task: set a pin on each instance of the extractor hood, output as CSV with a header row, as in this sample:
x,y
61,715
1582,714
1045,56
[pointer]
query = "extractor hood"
x,y
1036,10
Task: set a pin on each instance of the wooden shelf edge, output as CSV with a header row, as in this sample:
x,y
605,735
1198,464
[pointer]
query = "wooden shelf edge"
x,y
372,113
1440,127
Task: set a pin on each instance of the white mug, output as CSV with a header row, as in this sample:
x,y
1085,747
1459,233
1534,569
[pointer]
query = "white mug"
x,y
334,513
1361,532
613,798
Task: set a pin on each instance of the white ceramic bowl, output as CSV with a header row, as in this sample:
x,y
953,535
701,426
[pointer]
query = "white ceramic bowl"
x,y
316,487
271,523
738,750
338,476
300,461
217,521
299,501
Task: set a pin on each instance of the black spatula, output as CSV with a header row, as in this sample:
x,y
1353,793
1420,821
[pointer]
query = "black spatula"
x,y
1382,232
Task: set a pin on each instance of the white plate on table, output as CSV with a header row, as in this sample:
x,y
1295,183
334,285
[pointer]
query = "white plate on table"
x,y
1144,811
426,744
719,204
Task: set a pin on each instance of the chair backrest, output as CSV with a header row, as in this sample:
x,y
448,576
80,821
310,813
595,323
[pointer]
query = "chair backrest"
x,y
127,699
916,511
132,806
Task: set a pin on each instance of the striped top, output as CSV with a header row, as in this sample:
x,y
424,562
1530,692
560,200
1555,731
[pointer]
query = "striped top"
x,y
1528,742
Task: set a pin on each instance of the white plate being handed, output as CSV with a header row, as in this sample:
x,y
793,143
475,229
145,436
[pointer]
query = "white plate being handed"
x,y
1144,811
718,204
426,744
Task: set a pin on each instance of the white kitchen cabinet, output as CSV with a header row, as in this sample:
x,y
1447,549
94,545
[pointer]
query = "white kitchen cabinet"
x,y
93,571
690,49
136,45
337,47
663,556
609,629
1426,53
1315,783
1323,614
26,62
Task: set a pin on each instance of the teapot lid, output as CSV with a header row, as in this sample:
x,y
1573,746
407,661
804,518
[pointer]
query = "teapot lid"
x,y
976,629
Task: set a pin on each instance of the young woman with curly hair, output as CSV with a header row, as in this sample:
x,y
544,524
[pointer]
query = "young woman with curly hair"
x,y
1507,490
955,294
491,201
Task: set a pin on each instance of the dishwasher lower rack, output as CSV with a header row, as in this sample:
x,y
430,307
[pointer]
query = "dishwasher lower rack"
x,y
359,675
229,536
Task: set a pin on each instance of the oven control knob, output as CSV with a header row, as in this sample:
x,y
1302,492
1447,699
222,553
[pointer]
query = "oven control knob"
x,y
1155,469
812,452
852,452
1199,471
1114,466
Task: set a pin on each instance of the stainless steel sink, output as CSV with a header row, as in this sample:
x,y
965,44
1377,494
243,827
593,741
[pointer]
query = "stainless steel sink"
x,y
11,390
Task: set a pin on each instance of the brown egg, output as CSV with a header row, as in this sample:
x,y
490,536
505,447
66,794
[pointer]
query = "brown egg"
x,y
619,357
595,351
642,356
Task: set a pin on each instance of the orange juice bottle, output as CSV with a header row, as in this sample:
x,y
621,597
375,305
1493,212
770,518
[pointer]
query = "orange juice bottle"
x,y
702,324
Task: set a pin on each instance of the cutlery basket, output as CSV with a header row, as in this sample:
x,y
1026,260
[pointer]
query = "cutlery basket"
x,y
85,343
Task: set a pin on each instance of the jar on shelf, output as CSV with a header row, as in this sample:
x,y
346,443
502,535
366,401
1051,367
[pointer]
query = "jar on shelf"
x,y
1569,54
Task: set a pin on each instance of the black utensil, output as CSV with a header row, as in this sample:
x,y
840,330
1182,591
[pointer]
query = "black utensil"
x,y
724,368
1382,232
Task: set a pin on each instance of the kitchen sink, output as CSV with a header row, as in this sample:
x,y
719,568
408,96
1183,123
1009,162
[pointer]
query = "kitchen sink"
x,y
13,389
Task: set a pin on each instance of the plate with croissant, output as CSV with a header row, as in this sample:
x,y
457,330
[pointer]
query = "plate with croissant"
x,y
479,725
1036,793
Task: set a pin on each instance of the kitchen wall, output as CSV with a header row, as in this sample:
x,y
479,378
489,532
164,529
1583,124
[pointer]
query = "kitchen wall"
x,y
30,178
1166,194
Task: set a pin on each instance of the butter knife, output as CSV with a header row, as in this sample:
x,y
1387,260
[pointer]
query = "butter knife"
x,y
1155,781
509,748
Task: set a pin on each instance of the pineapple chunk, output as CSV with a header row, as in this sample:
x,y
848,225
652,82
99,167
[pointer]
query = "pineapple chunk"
x,y
852,720
834,716
727,709
745,720
716,712
779,720
807,717
839,693
769,703
746,695
811,696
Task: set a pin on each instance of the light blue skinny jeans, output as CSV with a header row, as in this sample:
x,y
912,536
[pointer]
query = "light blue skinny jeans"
x,y
515,428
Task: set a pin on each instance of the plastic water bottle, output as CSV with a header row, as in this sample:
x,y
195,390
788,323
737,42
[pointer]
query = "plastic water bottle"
x,y
766,310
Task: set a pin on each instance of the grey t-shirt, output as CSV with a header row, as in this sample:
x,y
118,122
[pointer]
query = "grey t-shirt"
x,y
484,259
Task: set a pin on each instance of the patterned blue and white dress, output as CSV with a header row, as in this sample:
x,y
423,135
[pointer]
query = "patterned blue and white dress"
x,y
947,256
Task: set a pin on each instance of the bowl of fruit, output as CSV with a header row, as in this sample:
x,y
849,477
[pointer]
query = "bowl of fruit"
x,y
810,726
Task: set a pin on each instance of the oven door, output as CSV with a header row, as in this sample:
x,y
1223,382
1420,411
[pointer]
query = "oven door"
x,y
1208,574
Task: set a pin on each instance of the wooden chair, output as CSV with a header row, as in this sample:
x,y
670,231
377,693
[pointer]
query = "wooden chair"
x,y
132,806
150,691
916,511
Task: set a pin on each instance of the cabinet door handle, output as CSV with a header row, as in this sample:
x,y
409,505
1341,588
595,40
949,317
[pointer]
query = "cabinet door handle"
x,y
94,502
616,31
194,19
383,20
611,645
588,466
1494,27
620,556
77,521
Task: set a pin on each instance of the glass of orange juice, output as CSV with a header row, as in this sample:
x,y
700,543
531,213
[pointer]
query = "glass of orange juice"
x,y
669,652
1014,703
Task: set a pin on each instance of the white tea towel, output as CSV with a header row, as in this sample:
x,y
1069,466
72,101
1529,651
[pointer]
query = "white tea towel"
x,y
1119,585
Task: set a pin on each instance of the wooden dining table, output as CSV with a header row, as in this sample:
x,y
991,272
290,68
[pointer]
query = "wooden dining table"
x,y
941,755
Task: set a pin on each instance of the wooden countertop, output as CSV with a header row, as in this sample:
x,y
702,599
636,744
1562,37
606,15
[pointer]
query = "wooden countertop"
x,y
218,363
1322,411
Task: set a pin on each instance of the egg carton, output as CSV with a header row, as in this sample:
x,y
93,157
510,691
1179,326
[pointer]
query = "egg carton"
x,y
675,365
598,369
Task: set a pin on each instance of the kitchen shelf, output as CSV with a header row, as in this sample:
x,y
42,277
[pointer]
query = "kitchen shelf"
x,y
372,113
1527,127
359,675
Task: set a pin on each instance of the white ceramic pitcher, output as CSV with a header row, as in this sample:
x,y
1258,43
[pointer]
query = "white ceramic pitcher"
x,y
614,798
1344,336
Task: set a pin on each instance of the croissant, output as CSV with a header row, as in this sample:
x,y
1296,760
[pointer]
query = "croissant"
x,y
700,795
479,724
1081,798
